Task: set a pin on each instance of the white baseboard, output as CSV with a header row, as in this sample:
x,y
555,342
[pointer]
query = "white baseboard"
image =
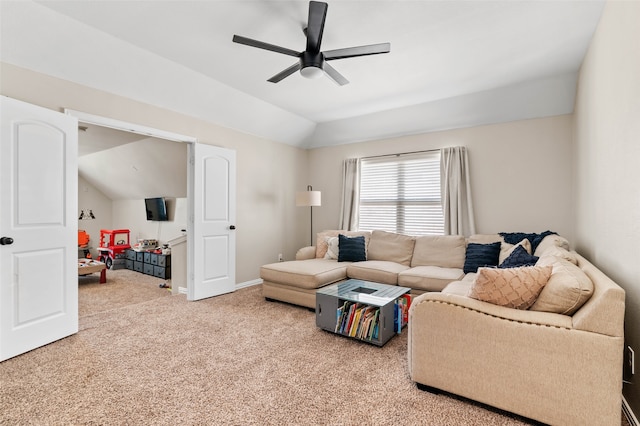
x,y
628,413
248,283
183,290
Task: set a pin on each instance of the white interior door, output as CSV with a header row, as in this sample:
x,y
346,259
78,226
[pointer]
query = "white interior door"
x,y
212,187
38,227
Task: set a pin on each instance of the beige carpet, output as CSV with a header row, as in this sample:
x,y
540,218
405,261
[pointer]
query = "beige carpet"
x,y
123,288
231,360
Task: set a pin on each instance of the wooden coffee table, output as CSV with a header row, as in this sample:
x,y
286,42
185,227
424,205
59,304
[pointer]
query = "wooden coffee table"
x,y
89,266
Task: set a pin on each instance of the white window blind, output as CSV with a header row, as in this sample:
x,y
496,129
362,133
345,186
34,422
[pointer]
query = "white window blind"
x,y
401,193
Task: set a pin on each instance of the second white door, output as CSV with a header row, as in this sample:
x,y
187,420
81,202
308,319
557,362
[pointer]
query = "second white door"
x,y
212,240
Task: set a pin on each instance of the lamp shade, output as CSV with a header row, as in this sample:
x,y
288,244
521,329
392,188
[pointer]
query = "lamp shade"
x,y
308,198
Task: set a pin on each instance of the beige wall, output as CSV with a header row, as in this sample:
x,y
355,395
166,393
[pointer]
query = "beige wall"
x,y
268,173
131,215
607,158
90,198
520,173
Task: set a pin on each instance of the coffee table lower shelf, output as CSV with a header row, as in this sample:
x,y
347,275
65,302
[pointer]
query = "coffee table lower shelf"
x,y
365,295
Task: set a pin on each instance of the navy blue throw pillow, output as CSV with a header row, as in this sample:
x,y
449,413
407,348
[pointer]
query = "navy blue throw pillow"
x,y
519,257
534,239
351,249
479,255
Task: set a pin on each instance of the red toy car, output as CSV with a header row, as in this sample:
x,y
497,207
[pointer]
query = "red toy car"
x,y
113,243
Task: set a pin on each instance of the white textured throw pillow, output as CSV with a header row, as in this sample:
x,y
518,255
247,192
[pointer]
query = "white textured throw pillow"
x,y
332,248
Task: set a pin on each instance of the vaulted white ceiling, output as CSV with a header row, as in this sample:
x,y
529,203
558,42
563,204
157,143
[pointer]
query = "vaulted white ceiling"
x,y
452,63
129,166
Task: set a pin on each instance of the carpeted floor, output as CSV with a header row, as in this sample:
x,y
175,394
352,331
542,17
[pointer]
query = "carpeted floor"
x,y
144,357
123,288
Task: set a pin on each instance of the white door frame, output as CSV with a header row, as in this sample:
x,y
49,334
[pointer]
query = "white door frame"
x,y
128,127
97,120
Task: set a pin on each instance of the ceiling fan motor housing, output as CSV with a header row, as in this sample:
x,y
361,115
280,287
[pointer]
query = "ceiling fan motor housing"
x,y
311,64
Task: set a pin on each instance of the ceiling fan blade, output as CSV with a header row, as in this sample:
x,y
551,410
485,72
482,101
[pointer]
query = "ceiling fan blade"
x,y
350,52
286,73
335,75
265,46
315,25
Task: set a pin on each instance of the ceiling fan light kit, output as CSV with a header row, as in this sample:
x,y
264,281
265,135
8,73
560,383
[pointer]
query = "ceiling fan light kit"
x,y
312,63
312,72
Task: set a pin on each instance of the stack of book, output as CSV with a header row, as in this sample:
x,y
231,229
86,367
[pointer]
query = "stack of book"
x,y
358,320
363,321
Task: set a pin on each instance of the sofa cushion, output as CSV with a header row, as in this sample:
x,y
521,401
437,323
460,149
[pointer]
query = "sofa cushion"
x,y
553,240
439,250
485,239
379,271
306,253
561,253
470,276
479,255
429,278
391,247
351,249
459,288
519,257
516,288
567,290
321,242
308,274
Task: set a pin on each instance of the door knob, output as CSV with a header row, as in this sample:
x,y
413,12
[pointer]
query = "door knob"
x,y
232,227
5,241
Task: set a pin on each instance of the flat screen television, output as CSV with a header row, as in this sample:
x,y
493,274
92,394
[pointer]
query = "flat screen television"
x,y
156,208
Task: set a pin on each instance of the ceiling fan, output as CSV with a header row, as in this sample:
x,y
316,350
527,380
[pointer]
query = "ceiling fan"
x,y
312,62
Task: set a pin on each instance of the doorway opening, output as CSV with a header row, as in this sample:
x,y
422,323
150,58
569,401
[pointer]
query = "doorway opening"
x,y
211,199
120,165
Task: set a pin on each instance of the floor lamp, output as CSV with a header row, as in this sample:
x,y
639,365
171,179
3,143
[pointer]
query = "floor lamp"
x,y
309,198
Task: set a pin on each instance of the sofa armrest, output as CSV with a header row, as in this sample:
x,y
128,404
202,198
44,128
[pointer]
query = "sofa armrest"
x,y
501,312
306,253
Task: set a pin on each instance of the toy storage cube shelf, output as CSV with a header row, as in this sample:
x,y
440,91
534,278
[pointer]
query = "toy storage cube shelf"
x,y
158,265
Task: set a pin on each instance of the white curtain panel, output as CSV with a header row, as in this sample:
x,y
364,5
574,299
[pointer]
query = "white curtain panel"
x,y
456,192
350,194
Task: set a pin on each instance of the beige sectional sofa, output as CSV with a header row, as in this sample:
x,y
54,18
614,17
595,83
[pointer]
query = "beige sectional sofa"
x,y
557,360
424,263
559,369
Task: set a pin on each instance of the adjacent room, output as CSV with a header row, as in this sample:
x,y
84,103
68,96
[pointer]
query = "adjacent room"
x,y
117,172
387,212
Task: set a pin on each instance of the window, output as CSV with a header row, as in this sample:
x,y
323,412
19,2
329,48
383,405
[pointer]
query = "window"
x,y
401,193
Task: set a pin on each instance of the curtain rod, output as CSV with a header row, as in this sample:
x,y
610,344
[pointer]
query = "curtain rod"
x,y
399,154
